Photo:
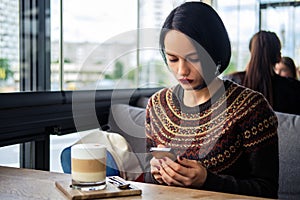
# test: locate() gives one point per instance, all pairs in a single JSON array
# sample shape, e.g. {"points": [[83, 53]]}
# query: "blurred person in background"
{"points": [[282, 93], [286, 68]]}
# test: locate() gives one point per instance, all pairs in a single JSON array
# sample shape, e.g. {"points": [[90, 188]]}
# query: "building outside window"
{"points": [[9, 45]]}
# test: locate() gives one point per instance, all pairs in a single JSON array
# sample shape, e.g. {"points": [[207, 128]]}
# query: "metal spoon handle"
{"points": [[119, 183]]}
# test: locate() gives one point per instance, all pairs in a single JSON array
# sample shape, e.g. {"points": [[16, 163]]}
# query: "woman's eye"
{"points": [[192, 60], [173, 59]]}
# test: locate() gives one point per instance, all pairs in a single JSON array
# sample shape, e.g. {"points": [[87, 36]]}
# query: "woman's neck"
{"points": [[192, 98]]}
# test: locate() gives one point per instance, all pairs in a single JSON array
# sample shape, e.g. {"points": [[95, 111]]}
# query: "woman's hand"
{"points": [[155, 170], [155, 167], [187, 173]]}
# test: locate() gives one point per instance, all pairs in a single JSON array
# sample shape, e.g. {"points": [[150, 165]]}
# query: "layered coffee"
{"points": [[88, 164]]}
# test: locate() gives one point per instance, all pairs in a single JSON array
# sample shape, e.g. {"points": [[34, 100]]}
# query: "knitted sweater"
{"points": [[234, 136]]}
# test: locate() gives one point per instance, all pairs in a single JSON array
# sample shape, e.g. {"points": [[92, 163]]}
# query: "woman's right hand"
{"points": [[155, 168]]}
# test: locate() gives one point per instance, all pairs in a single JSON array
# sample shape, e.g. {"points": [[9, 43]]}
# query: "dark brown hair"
{"points": [[201, 23], [265, 52], [289, 62]]}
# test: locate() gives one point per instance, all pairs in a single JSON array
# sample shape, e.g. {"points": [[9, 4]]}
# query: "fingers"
{"points": [[168, 176], [184, 173], [187, 163], [196, 172], [170, 172], [154, 162], [161, 146], [155, 170]]}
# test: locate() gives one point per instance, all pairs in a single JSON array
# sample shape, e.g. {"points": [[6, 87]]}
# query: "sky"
{"points": [[93, 20]]}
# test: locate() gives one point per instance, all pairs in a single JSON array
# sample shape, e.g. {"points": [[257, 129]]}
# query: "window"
{"points": [[92, 51], [103, 44], [284, 25], [244, 18], [9, 155], [9, 66], [241, 23], [9, 45]]}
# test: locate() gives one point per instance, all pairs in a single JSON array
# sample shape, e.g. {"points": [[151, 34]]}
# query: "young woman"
{"points": [[224, 135]]}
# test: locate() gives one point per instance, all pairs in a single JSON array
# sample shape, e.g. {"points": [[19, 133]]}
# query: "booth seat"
{"points": [[289, 155], [128, 121]]}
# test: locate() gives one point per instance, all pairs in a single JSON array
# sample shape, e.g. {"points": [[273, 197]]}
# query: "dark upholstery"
{"points": [[289, 156]]}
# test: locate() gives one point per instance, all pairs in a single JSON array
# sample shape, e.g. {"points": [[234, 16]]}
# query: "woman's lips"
{"points": [[185, 81]]}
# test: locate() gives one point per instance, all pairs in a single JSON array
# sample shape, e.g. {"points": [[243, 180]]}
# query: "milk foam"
{"points": [[88, 151]]}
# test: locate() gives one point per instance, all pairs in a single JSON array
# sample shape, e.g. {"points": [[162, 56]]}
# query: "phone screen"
{"points": [[163, 152]]}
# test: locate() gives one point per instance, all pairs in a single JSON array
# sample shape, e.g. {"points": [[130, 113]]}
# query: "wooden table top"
{"points": [[17, 183]]}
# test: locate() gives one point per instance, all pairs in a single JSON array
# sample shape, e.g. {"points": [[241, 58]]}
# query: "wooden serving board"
{"points": [[110, 191]]}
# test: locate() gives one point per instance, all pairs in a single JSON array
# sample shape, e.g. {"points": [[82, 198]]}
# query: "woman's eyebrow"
{"points": [[187, 55], [170, 54]]}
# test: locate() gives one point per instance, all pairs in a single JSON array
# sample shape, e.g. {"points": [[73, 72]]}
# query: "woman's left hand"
{"points": [[187, 173]]}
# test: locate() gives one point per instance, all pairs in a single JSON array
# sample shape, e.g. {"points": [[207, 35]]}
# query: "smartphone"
{"points": [[159, 152]]}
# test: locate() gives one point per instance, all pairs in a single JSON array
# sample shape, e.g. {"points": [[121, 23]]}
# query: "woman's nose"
{"points": [[183, 68]]}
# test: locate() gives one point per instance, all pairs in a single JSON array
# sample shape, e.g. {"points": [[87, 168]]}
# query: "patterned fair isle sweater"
{"points": [[234, 135]]}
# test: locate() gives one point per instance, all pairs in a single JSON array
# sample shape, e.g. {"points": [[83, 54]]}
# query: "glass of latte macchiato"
{"points": [[88, 166]]}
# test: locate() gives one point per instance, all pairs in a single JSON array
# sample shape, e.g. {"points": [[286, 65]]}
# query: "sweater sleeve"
{"points": [[148, 178], [260, 144], [264, 182]]}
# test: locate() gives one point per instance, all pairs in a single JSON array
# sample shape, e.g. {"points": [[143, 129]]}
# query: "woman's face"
{"points": [[183, 60], [282, 70]]}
